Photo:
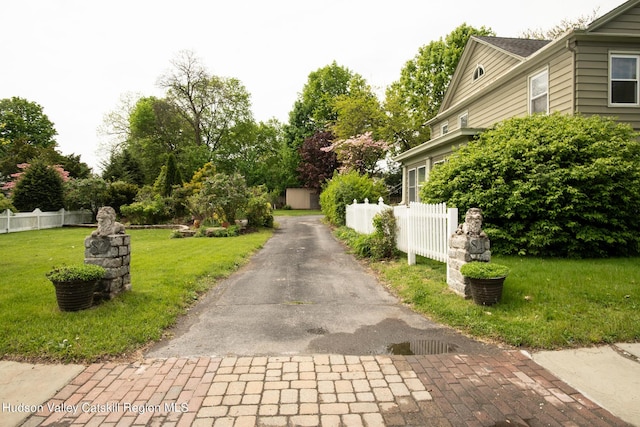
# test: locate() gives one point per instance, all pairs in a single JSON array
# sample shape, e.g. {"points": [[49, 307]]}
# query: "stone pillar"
{"points": [[110, 248], [468, 243]]}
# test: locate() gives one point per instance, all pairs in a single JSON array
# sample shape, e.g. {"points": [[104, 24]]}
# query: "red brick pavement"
{"points": [[504, 389]]}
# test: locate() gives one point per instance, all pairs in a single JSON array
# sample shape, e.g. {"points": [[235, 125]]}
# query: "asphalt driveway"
{"points": [[303, 294]]}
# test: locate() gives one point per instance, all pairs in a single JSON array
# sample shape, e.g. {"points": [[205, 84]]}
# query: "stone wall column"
{"points": [[113, 253], [469, 243]]}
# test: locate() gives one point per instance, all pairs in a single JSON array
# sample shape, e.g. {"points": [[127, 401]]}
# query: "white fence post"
{"points": [[7, 213], [411, 236], [452, 226], [422, 229], [38, 220], [37, 213]]}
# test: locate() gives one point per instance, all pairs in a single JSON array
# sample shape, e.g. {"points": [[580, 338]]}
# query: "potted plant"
{"points": [[486, 281], [75, 284]]}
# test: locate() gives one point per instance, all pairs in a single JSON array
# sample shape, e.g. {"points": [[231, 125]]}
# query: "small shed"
{"points": [[303, 198]]}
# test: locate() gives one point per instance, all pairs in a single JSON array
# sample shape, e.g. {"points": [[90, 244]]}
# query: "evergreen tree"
{"points": [[40, 186]]}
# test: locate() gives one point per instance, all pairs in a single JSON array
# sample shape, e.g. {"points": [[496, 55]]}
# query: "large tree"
{"points": [[157, 129], [259, 153], [416, 96], [316, 165], [314, 110], [25, 131], [357, 112], [212, 105]]}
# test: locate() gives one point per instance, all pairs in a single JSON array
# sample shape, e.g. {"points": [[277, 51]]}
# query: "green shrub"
{"points": [[359, 243], [258, 210], [5, 204], [342, 189], [551, 185], [87, 193], [120, 193], [484, 270], [383, 239], [220, 197], [156, 210], [231, 231], [71, 273]]}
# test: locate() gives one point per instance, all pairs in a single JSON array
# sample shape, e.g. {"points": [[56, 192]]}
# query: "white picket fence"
{"points": [[37, 220], [422, 229]]}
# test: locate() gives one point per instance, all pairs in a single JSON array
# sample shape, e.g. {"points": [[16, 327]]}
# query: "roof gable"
{"points": [[624, 19], [519, 47], [497, 55]]}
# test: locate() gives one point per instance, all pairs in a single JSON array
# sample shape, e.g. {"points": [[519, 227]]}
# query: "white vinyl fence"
{"points": [[12, 222], [422, 229]]}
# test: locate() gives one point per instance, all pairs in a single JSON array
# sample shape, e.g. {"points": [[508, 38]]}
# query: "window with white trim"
{"points": [[412, 185], [478, 72], [444, 128], [463, 120], [421, 177], [539, 93], [624, 73]]}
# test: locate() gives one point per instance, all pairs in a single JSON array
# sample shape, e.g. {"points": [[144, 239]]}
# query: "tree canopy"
{"points": [[314, 110], [25, 133], [415, 98], [212, 105]]}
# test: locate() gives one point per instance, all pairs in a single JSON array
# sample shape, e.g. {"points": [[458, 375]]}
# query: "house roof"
{"points": [[623, 8], [524, 50], [520, 47]]}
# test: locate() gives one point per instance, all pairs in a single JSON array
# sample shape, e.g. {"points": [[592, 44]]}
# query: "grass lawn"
{"points": [[546, 303], [167, 275]]}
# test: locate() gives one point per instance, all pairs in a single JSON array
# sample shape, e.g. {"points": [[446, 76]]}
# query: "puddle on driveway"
{"points": [[421, 347]]}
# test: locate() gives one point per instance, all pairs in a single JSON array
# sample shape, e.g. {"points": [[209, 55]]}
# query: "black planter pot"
{"points": [[74, 295], [486, 291]]}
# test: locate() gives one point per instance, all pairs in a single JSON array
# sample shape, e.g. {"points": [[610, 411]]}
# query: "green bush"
{"points": [[484, 270], [258, 210], [72, 273], [220, 197], [360, 243], [87, 193], [383, 239], [155, 210], [231, 231], [5, 204], [120, 193], [551, 185], [342, 189]]}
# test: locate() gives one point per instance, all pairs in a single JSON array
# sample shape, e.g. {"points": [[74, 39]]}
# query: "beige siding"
{"points": [[513, 96], [628, 23], [561, 83], [495, 64], [592, 81]]}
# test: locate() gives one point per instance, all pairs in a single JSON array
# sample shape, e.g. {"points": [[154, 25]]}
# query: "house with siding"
{"points": [[591, 71]]}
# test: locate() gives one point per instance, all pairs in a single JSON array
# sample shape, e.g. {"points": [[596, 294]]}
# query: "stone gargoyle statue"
{"points": [[107, 223]]}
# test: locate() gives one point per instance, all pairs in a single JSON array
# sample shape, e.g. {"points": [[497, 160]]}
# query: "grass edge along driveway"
{"points": [[546, 303], [167, 275]]}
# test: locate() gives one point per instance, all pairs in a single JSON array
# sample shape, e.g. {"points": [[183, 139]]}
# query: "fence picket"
{"points": [[37, 220], [422, 229]]}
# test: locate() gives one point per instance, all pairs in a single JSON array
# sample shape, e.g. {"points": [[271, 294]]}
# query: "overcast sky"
{"points": [[76, 58]]}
